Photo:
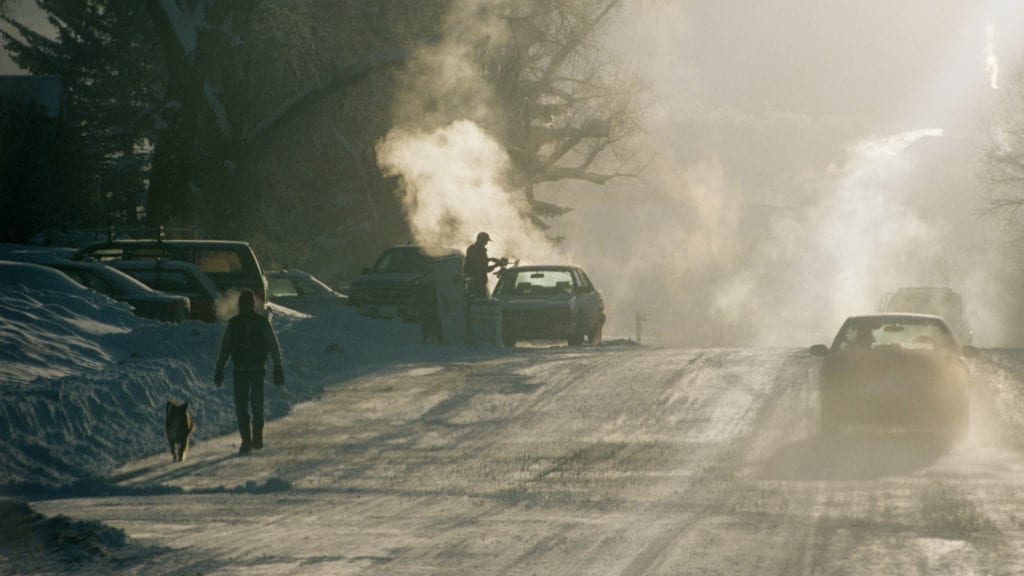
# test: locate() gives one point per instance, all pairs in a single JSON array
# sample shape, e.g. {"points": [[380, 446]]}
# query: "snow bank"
{"points": [[83, 382], [38, 540]]}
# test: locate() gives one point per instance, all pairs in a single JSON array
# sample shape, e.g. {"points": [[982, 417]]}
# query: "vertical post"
{"points": [[640, 318]]}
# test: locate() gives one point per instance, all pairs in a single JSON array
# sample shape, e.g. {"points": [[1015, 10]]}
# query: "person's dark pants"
{"points": [[477, 287], [249, 392]]}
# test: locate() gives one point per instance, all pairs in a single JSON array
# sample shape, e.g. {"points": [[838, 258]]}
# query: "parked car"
{"points": [[895, 372], [386, 289], [936, 300], [303, 292], [229, 264], [37, 276], [549, 303], [176, 277], [145, 301]]}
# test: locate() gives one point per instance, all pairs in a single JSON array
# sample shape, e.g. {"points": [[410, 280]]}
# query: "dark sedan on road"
{"points": [[549, 303], [895, 372]]}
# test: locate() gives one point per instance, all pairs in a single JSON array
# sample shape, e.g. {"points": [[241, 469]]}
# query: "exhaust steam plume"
{"points": [[452, 184]]}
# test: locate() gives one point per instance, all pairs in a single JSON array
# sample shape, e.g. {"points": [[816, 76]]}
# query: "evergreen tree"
{"points": [[110, 70]]}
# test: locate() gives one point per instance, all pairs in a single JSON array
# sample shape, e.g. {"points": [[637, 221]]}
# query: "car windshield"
{"points": [[402, 261], [536, 282], [880, 333]]}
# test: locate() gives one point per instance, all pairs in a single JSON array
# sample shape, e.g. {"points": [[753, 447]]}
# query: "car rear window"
{"points": [[218, 262], [912, 335], [402, 261], [539, 282]]}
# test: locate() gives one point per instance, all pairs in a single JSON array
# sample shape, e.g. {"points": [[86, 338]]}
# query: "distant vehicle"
{"points": [[302, 292], [145, 301], [549, 303], [895, 372], [386, 290], [175, 277], [935, 300], [229, 264], [37, 276]]}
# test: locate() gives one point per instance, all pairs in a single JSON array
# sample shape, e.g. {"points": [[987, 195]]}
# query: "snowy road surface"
{"points": [[616, 460]]}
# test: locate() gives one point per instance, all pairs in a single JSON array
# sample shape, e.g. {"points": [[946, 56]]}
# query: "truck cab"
{"points": [[936, 300]]}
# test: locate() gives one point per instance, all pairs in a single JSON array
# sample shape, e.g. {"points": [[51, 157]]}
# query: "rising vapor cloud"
{"points": [[453, 173], [835, 257], [991, 59], [453, 187]]}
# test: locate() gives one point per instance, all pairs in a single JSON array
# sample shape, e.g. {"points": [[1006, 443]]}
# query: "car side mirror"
{"points": [[970, 351], [818, 350]]}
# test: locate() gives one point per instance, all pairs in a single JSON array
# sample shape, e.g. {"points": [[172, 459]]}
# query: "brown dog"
{"points": [[179, 426]]}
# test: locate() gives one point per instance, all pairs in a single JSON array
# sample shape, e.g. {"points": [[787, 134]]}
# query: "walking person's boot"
{"points": [[246, 446], [257, 438]]}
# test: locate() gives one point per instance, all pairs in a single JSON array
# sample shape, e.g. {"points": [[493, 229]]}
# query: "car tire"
{"points": [[508, 341], [595, 335]]}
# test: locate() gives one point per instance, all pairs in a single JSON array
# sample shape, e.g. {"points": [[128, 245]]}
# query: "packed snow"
{"points": [[86, 381]]}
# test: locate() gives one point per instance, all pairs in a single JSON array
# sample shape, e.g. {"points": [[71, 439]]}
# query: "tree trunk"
{"points": [[170, 179], [170, 184]]}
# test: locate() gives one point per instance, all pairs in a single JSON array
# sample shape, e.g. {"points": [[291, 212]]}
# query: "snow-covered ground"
{"points": [[387, 456], [85, 381]]}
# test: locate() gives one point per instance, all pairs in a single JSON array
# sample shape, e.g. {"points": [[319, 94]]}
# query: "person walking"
{"points": [[247, 341], [478, 265]]}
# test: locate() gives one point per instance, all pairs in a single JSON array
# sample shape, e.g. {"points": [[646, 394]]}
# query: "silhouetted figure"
{"points": [[864, 339], [478, 265], [247, 341]]}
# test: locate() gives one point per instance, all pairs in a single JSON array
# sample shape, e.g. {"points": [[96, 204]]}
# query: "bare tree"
{"points": [[538, 75], [1002, 161], [570, 114]]}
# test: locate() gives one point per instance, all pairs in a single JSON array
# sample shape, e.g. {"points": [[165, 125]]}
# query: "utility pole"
{"points": [[640, 319]]}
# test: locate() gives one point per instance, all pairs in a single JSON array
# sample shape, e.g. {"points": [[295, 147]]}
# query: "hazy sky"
{"points": [[29, 14], [812, 154], [882, 60]]}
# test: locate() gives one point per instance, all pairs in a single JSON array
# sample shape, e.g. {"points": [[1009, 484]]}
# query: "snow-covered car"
{"points": [[936, 300], [231, 265], [387, 289], [145, 301], [175, 277], [895, 372], [549, 303], [302, 292], [37, 276]]}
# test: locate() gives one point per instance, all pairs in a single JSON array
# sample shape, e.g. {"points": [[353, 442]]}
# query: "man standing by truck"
{"points": [[478, 265]]}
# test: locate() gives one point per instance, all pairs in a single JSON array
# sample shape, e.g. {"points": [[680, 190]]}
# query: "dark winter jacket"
{"points": [[248, 340], [477, 264]]}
